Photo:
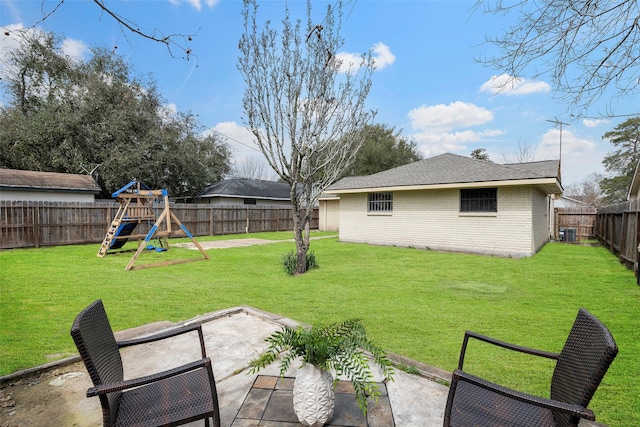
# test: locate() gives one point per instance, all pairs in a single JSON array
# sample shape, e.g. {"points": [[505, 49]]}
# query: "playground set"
{"points": [[140, 204]]}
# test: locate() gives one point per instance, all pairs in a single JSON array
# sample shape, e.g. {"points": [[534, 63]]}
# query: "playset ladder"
{"points": [[111, 232]]}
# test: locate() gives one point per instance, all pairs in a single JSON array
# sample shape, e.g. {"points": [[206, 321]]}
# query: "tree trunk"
{"points": [[302, 241]]}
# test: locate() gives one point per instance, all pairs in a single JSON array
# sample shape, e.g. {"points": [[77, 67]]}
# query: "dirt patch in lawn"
{"points": [[43, 400], [225, 244]]}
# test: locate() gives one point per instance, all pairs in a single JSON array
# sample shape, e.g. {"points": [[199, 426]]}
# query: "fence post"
{"points": [[211, 227], [36, 225]]}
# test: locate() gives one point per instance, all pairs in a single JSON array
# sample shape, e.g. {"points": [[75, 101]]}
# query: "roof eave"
{"points": [[240, 196], [49, 189], [550, 185]]}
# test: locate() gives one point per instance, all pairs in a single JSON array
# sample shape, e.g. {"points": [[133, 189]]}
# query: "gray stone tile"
{"points": [[280, 407], [379, 414], [255, 404]]}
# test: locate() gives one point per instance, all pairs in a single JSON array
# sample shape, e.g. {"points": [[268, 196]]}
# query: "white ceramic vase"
{"points": [[313, 396]]}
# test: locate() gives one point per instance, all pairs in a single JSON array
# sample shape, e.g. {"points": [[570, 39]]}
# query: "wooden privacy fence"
{"points": [[583, 219], [617, 228], [35, 224]]}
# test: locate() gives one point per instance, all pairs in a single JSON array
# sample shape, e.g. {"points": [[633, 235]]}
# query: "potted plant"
{"points": [[341, 348]]}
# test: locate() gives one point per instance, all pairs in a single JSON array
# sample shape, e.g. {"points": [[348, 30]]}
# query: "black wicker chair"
{"points": [[170, 398], [580, 366]]}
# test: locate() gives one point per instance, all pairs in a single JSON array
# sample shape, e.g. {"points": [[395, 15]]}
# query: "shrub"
{"points": [[290, 262]]}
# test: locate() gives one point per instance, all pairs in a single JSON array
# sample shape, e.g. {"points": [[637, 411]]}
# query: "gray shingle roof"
{"points": [[450, 169], [33, 180], [248, 188]]}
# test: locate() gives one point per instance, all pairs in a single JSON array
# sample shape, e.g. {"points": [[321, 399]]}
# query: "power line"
{"points": [[235, 140]]}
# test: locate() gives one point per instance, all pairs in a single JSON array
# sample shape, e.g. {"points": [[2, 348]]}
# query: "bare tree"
{"points": [[306, 115], [526, 152], [171, 41], [250, 168], [588, 190], [585, 46]]}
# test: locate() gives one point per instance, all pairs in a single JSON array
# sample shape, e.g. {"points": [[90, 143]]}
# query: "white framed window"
{"points": [[380, 202]]}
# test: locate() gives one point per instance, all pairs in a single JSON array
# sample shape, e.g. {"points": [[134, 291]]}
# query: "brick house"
{"points": [[451, 203]]}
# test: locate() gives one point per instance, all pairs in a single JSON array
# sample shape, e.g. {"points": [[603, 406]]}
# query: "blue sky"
{"points": [[428, 83]]}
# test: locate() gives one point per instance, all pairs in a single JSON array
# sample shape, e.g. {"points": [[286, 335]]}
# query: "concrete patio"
{"points": [[233, 337], [54, 394]]}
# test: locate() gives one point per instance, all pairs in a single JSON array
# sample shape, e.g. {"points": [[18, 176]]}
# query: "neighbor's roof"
{"points": [[13, 179], [455, 171], [248, 188]]}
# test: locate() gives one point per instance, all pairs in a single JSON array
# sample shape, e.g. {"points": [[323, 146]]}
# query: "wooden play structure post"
{"points": [[136, 206]]}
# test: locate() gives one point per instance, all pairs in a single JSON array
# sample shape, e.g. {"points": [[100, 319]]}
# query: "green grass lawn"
{"points": [[413, 302]]}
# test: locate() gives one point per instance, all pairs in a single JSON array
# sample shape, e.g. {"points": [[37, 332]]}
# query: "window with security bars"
{"points": [[380, 202], [479, 200]]}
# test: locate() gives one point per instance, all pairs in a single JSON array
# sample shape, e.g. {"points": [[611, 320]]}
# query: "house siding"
{"points": [[329, 213], [431, 219], [46, 196], [239, 201], [542, 220]]}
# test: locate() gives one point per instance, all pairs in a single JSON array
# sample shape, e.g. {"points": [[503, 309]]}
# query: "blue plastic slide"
{"points": [[124, 229]]}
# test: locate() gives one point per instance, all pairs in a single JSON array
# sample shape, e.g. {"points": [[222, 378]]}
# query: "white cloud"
{"points": [[447, 117], [445, 128], [245, 150], [168, 112], [436, 143], [196, 4], [580, 156], [571, 144], [508, 85], [349, 61], [382, 57], [591, 123], [13, 40], [240, 139], [11, 43], [73, 48]]}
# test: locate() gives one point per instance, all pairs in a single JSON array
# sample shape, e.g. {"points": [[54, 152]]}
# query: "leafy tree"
{"points": [[584, 46], [622, 162], [383, 149], [307, 117], [480, 154], [67, 116]]}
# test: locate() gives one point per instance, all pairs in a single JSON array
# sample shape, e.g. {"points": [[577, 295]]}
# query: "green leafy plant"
{"points": [[341, 347], [311, 261], [290, 262]]}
